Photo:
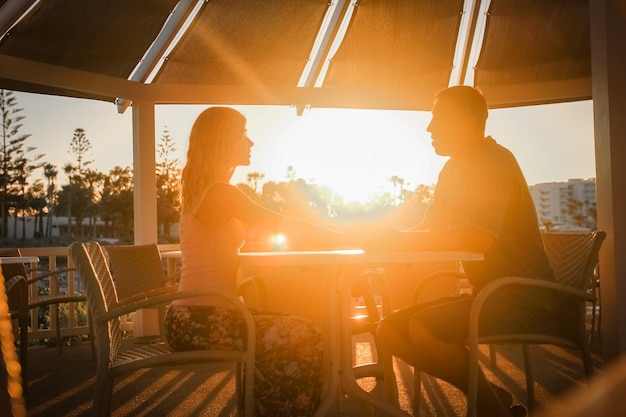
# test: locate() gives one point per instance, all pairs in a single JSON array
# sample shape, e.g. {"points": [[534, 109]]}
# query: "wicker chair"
{"points": [[33, 277], [574, 259], [113, 361], [138, 269], [138, 273]]}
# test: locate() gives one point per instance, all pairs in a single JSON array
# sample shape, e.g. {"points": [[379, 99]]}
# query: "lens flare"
{"points": [[278, 241]]}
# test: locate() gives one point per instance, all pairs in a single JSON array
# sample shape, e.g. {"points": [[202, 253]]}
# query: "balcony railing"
{"points": [[53, 258]]}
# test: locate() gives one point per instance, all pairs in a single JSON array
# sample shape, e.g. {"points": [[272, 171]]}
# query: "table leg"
{"points": [[332, 329], [349, 383]]}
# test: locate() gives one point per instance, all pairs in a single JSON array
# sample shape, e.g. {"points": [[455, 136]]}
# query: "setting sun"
{"points": [[354, 152]]}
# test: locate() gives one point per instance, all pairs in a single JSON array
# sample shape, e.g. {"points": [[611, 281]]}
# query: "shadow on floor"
{"points": [[62, 385]]}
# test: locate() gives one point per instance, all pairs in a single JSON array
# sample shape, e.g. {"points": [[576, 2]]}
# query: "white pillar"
{"points": [[608, 56], [144, 166], [145, 322]]}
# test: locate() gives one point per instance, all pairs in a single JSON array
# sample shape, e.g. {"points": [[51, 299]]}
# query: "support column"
{"points": [[144, 168], [608, 43], [145, 322]]}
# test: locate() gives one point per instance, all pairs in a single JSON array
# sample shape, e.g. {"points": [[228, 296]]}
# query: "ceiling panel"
{"points": [[536, 50], [101, 36]]}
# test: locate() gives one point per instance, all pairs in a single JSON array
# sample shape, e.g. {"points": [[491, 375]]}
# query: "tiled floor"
{"points": [[62, 385]]}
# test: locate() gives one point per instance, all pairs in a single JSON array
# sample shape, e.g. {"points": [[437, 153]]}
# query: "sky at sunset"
{"points": [[353, 151]]}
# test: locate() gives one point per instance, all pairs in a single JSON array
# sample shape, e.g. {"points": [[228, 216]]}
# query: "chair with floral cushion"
{"points": [[114, 360]]}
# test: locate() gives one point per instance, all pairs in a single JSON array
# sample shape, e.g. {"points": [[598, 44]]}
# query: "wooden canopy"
{"points": [[392, 54]]}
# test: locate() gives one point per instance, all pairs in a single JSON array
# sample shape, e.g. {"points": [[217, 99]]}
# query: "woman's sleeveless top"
{"points": [[210, 257]]}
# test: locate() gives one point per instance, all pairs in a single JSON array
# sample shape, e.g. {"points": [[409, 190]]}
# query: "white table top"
{"points": [[345, 257], [6, 260], [353, 257]]}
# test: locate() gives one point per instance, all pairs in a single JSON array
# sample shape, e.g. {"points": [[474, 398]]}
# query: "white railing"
{"points": [[53, 258]]}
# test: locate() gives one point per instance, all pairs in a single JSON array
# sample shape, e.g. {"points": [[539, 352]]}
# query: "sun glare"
{"points": [[354, 152], [278, 241]]}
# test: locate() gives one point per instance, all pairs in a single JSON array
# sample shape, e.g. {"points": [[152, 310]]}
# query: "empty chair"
{"points": [[138, 273], [113, 361], [33, 277], [138, 270]]}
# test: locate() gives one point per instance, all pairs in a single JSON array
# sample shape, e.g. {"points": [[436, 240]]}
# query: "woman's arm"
{"points": [[224, 201]]}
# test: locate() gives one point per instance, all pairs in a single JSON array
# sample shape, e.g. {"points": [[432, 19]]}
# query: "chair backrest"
{"points": [[574, 257], [94, 273], [136, 268], [11, 270], [17, 295]]}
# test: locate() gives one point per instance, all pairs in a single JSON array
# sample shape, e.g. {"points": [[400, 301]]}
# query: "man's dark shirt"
{"points": [[488, 191]]}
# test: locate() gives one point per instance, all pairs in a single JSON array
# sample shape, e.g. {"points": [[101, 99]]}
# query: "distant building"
{"points": [[566, 205], [30, 227]]}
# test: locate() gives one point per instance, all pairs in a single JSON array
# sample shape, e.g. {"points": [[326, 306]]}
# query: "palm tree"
{"points": [[50, 172], [12, 155], [94, 181], [36, 205], [291, 173], [168, 183], [395, 180], [117, 202], [69, 170], [79, 146], [253, 179]]}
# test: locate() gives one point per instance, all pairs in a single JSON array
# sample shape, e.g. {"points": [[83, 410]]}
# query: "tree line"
{"points": [[105, 199]]}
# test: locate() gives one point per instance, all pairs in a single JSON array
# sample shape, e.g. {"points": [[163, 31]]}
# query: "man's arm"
{"points": [[465, 238], [386, 238]]}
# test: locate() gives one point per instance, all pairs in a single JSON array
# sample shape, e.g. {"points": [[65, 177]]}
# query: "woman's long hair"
{"points": [[210, 152]]}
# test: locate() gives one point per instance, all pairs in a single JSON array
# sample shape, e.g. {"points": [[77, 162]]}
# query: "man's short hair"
{"points": [[466, 99]]}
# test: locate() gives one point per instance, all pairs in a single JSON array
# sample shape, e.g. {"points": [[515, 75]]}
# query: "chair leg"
{"points": [[104, 394], [530, 378], [417, 391], [57, 329], [389, 376], [493, 357], [587, 363], [91, 336], [472, 379], [23, 325], [239, 389], [599, 326], [592, 330]]}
